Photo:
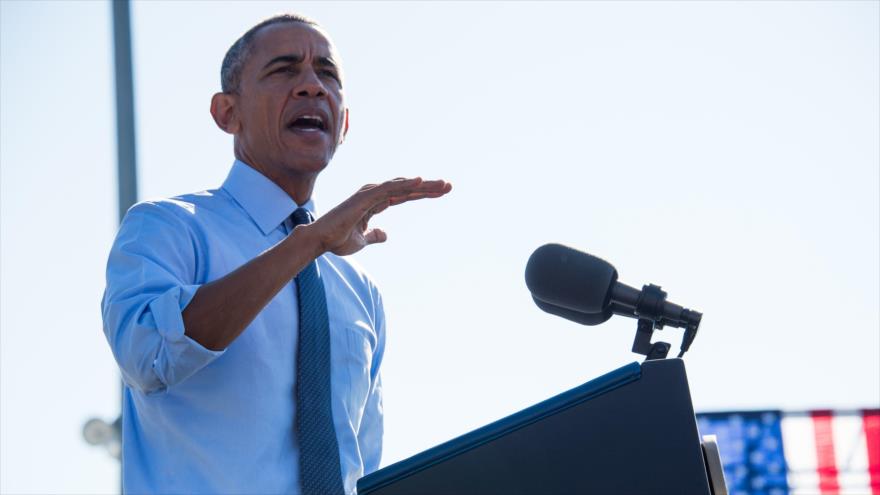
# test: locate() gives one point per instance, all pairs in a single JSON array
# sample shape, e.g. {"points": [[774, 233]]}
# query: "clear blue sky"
{"points": [[729, 152]]}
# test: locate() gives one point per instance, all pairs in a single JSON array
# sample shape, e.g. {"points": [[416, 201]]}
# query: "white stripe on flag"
{"points": [[851, 453], [799, 443]]}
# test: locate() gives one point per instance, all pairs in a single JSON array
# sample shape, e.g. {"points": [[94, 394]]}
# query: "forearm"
{"points": [[221, 310]]}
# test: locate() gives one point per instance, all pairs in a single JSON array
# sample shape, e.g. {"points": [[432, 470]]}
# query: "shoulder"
{"points": [[192, 213], [178, 223], [185, 208]]}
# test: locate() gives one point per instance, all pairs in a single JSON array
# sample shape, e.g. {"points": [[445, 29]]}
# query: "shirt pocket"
{"points": [[359, 361]]}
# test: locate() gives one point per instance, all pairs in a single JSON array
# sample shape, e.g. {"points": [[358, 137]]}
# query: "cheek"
{"points": [[339, 110], [263, 113]]}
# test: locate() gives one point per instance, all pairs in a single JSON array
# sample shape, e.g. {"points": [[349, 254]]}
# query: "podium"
{"points": [[631, 431]]}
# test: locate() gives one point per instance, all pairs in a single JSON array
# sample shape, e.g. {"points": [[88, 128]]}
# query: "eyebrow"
{"points": [[296, 59], [326, 62], [288, 59]]}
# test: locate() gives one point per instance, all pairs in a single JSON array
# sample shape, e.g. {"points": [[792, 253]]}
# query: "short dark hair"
{"points": [[236, 56]]}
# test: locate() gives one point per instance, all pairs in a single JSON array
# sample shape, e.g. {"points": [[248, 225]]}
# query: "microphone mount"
{"points": [[649, 311]]}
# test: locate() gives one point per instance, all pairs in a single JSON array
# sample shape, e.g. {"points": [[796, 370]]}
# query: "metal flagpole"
{"points": [[125, 139], [97, 431]]}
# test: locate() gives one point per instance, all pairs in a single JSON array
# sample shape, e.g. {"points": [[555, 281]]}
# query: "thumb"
{"points": [[374, 236]]}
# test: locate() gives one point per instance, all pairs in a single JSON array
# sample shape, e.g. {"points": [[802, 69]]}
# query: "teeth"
{"points": [[313, 122]]}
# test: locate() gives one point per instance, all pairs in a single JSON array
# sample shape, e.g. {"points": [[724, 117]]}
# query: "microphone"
{"points": [[575, 316], [584, 288], [561, 276]]}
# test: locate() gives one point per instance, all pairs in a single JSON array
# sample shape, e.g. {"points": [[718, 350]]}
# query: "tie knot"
{"points": [[301, 216]]}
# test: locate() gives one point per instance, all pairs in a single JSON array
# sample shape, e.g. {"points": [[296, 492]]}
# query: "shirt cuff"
{"points": [[179, 356]]}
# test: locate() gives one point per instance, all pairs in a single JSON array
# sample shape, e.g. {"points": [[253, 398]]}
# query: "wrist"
{"points": [[311, 241]]}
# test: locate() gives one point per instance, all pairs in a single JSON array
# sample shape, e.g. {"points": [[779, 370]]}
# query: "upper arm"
{"points": [[150, 279]]}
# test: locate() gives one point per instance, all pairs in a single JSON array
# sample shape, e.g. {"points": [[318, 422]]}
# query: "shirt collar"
{"points": [[266, 203]]}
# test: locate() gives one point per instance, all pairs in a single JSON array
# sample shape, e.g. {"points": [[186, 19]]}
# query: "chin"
{"points": [[307, 164]]}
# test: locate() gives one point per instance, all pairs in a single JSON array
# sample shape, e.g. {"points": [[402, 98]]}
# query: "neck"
{"points": [[297, 185], [298, 188]]}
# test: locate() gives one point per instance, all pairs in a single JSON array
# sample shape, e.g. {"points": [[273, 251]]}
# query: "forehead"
{"points": [[291, 38]]}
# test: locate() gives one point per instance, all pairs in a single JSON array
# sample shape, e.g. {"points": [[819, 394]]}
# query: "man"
{"points": [[249, 347]]}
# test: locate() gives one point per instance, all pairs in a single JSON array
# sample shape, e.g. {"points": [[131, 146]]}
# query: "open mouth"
{"points": [[308, 123]]}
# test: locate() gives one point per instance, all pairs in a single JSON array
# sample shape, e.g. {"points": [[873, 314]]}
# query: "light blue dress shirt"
{"points": [[202, 421]]}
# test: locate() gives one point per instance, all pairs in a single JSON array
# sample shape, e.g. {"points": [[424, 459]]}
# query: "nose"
{"points": [[309, 85]]}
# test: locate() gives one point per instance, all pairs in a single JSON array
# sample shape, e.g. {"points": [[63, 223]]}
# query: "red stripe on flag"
{"points": [[826, 464], [871, 422]]}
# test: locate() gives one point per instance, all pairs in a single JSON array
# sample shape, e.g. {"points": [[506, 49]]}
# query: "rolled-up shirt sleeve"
{"points": [[150, 280]]}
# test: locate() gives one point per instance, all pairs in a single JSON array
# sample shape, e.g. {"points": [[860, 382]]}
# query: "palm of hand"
{"points": [[354, 242], [345, 230], [347, 225]]}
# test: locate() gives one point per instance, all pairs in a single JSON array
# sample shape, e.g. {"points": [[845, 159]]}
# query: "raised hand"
{"points": [[345, 229]]}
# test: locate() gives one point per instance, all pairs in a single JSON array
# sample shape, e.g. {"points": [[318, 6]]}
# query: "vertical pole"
{"points": [[125, 140], [125, 137]]}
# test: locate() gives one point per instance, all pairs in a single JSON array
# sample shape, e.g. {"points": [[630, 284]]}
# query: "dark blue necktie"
{"points": [[320, 471]]}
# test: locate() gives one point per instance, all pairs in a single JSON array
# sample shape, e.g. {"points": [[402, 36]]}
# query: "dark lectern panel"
{"points": [[627, 434]]}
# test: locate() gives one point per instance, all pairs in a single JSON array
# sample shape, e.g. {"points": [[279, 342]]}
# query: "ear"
{"points": [[224, 112], [344, 126]]}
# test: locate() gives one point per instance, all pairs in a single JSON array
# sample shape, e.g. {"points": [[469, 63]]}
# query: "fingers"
{"points": [[396, 200], [407, 187], [433, 186], [380, 207], [375, 198], [398, 187]]}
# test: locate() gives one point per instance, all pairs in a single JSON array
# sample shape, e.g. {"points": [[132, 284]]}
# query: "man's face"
{"points": [[290, 104]]}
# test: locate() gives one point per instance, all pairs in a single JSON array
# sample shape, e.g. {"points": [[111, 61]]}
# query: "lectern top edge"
{"points": [[482, 435]]}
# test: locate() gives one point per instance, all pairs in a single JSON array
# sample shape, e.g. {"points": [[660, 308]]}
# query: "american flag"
{"points": [[804, 452]]}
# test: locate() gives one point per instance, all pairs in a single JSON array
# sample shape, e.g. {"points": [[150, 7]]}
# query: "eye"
{"points": [[333, 75], [284, 70]]}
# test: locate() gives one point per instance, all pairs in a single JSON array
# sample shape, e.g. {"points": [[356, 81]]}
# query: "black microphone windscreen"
{"points": [[568, 314], [570, 279]]}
